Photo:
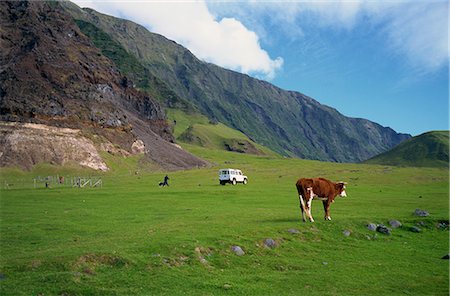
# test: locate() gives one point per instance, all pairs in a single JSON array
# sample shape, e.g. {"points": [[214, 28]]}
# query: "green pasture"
{"points": [[131, 237]]}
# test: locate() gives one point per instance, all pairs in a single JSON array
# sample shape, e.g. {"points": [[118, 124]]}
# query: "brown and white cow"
{"points": [[321, 189]]}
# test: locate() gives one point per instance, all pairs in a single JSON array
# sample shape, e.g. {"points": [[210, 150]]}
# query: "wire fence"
{"points": [[53, 182]]}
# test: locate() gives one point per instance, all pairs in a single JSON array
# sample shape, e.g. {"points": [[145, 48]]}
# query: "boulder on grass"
{"points": [[383, 229], [237, 250], [421, 213], [372, 226], [270, 243], [395, 223]]}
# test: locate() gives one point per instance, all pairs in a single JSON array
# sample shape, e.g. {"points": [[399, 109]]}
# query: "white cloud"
{"points": [[415, 31], [225, 42], [420, 32], [334, 13]]}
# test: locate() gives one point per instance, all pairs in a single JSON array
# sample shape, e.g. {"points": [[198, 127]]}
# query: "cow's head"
{"points": [[340, 186], [310, 193]]}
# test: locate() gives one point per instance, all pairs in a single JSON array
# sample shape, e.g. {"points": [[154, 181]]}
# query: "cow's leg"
{"points": [[308, 209], [302, 207], [326, 208]]}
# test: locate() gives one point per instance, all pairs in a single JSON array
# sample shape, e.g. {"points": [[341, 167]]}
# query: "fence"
{"points": [[54, 182], [83, 182]]}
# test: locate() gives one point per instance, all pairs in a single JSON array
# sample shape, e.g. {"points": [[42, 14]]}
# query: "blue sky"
{"points": [[384, 61]]}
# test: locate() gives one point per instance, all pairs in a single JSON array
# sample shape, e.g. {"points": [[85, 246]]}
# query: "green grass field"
{"points": [[131, 237]]}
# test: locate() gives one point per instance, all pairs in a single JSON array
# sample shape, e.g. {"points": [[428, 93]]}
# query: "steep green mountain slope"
{"points": [[196, 129], [289, 123], [426, 150]]}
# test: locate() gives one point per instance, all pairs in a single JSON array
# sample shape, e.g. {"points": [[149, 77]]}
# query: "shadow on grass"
{"points": [[282, 220]]}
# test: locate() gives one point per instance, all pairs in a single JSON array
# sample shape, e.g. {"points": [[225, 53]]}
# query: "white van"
{"points": [[232, 176]]}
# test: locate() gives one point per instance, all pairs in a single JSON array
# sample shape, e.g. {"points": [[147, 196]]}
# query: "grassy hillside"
{"points": [[196, 129], [426, 150], [131, 237]]}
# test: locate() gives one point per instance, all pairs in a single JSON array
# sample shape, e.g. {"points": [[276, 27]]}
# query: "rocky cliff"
{"points": [[52, 74]]}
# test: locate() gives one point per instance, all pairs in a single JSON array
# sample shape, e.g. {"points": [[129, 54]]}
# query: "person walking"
{"points": [[165, 182]]}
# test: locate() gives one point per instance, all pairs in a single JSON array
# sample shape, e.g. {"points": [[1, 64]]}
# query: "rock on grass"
{"points": [[237, 250], [395, 223], [270, 243], [443, 224], [372, 226], [294, 231], [383, 229], [421, 213], [415, 229]]}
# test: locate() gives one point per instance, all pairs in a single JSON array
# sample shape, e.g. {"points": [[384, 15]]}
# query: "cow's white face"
{"points": [[343, 193], [310, 193]]}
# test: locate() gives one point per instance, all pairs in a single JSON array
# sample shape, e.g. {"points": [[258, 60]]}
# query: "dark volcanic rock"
{"points": [[383, 229], [415, 229], [443, 224], [52, 74], [242, 146]]}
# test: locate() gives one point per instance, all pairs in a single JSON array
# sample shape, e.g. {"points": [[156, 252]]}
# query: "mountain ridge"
{"points": [[287, 122], [430, 149]]}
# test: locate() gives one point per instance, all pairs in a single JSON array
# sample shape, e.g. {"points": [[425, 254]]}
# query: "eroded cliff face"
{"points": [[52, 74], [26, 144]]}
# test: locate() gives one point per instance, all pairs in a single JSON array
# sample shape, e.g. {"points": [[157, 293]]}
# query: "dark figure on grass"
{"points": [[165, 182]]}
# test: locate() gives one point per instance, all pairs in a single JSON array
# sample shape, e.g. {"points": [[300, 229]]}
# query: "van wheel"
{"points": [[233, 182], [222, 183], [245, 181]]}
